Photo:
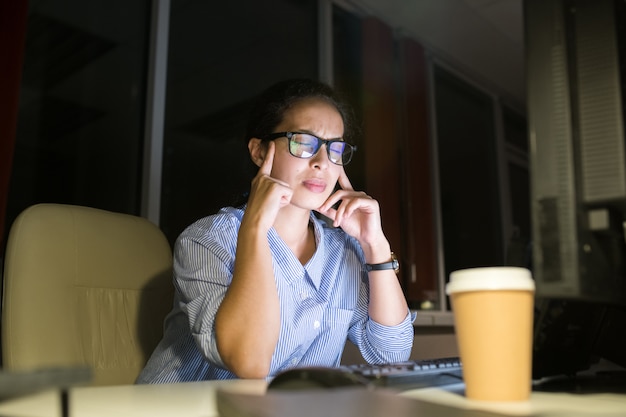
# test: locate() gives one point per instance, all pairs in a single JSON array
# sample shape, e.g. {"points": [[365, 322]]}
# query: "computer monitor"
{"points": [[576, 83]]}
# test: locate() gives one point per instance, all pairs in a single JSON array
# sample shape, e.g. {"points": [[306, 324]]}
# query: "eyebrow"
{"points": [[313, 134]]}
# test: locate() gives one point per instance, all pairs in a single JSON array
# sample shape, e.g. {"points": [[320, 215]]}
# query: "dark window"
{"points": [[221, 55], [468, 174], [80, 129]]}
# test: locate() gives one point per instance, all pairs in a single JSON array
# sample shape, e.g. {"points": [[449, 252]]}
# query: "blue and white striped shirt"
{"points": [[322, 303]]}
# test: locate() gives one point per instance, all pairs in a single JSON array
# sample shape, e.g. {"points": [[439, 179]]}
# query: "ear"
{"points": [[257, 150]]}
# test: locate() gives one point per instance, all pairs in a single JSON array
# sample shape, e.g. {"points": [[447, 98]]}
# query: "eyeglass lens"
{"points": [[303, 145]]}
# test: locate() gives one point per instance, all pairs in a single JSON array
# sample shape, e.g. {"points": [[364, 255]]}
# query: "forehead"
{"points": [[313, 113]]}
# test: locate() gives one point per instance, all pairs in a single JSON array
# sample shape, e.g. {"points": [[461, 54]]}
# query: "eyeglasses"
{"points": [[305, 145]]}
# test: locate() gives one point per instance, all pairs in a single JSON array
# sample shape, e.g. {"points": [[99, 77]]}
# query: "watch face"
{"points": [[395, 263]]}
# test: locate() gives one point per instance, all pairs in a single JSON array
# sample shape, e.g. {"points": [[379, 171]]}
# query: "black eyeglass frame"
{"points": [[320, 141]]}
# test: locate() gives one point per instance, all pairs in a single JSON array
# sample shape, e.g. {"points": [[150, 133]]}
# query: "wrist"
{"points": [[377, 252], [392, 264]]}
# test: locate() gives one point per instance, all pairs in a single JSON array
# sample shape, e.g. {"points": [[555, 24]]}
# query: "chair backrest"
{"points": [[84, 286]]}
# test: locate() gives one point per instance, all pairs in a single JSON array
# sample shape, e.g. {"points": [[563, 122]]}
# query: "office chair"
{"points": [[84, 287]]}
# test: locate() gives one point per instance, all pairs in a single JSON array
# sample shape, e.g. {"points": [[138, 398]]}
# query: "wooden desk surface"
{"points": [[166, 400], [198, 399], [542, 404]]}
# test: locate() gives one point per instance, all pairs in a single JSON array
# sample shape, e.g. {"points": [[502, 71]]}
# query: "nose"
{"points": [[320, 159]]}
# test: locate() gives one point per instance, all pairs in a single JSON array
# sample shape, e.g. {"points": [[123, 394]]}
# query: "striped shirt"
{"points": [[322, 303]]}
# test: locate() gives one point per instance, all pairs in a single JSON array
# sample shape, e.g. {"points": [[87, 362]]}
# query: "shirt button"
{"points": [[304, 295], [316, 324]]}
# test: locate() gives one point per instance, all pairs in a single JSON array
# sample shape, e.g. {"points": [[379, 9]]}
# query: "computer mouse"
{"points": [[316, 377]]}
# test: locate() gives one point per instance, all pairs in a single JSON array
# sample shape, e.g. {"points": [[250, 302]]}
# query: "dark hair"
{"points": [[273, 103]]}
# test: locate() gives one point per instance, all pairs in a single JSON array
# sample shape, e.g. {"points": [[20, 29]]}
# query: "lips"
{"points": [[315, 185]]}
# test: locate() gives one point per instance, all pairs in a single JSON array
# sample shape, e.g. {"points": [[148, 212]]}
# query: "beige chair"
{"points": [[84, 286]]}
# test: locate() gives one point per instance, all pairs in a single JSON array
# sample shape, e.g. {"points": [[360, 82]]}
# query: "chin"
{"points": [[308, 203]]}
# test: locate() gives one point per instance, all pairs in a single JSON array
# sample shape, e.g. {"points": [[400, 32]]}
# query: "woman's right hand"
{"points": [[267, 194]]}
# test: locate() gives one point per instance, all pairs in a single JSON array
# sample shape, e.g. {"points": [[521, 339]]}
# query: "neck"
{"points": [[292, 225]]}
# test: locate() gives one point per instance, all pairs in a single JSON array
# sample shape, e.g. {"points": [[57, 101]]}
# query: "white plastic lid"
{"points": [[490, 278]]}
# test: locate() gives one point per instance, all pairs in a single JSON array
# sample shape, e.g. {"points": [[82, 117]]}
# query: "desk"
{"points": [[542, 404], [189, 399], [198, 399]]}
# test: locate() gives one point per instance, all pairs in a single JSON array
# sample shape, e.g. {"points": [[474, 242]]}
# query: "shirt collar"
{"points": [[315, 266], [290, 266]]}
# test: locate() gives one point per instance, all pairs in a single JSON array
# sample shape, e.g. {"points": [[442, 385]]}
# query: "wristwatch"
{"points": [[393, 264]]}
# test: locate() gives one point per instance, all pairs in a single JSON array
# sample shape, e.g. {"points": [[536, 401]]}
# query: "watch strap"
{"points": [[392, 264]]}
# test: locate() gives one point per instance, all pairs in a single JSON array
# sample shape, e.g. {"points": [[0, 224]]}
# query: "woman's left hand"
{"points": [[358, 214]]}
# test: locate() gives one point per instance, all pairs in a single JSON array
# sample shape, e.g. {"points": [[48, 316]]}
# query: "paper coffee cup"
{"points": [[493, 319]]}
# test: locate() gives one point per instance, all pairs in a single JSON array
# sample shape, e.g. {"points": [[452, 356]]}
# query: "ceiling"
{"points": [[483, 38]]}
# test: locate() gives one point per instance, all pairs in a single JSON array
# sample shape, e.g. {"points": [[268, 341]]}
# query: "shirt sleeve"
{"points": [[391, 343], [376, 342], [203, 270]]}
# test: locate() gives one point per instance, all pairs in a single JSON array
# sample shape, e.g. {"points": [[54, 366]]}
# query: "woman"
{"points": [[270, 285]]}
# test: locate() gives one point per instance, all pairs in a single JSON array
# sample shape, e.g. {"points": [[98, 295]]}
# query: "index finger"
{"points": [[268, 162], [344, 182]]}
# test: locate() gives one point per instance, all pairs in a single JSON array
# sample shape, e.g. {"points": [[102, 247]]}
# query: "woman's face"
{"points": [[313, 179]]}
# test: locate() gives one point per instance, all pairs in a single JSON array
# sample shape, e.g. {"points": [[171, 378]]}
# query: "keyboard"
{"points": [[411, 374]]}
